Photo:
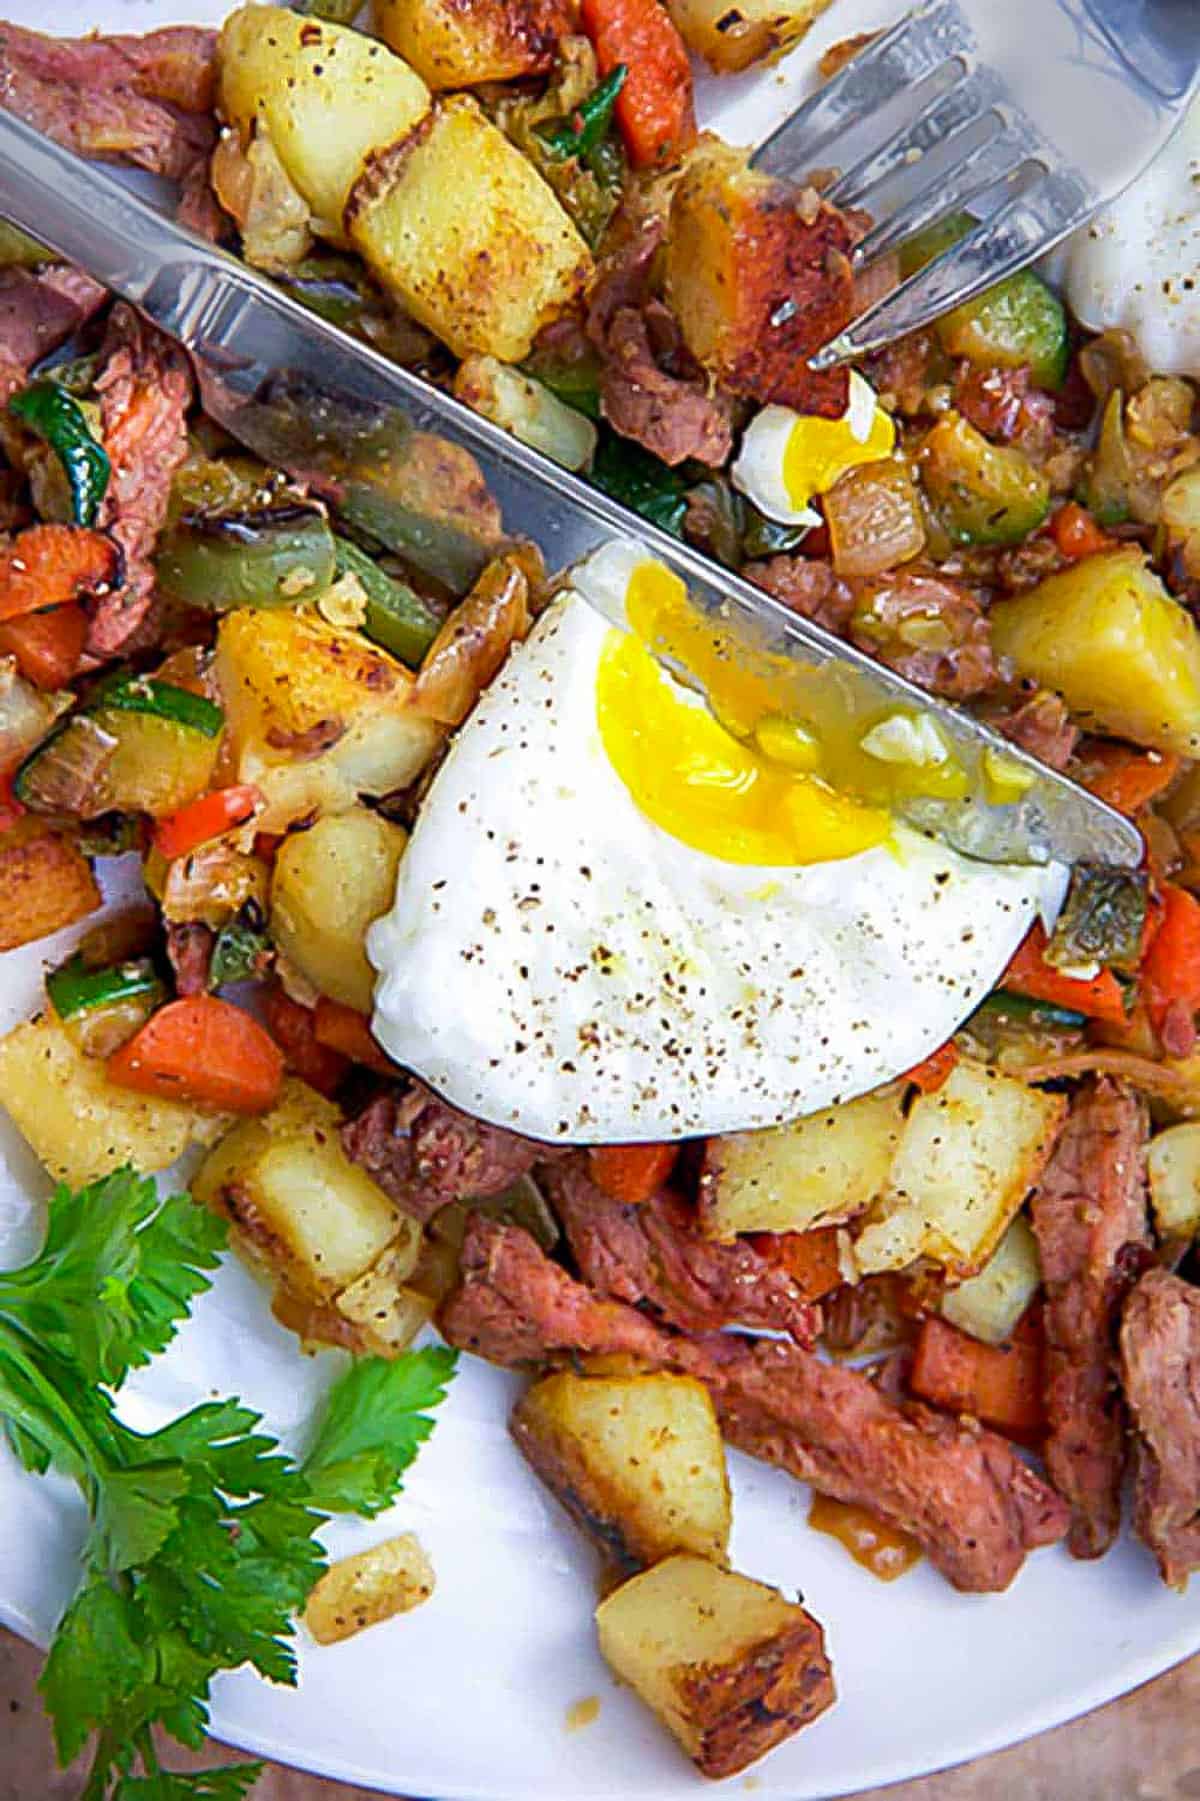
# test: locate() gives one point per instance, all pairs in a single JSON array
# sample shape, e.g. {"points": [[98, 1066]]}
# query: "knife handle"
{"points": [[89, 218]]}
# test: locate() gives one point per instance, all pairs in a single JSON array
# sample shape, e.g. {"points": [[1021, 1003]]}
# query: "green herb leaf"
{"points": [[227, 1784], [56, 416], [117, 1272], [584, 129], [376, 1420], [637, 479], [242, 948]]}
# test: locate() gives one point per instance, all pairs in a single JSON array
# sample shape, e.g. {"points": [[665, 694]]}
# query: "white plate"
{"points": [[469, 1696]]}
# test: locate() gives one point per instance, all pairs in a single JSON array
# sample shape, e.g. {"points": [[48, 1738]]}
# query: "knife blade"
{"points": [[309, 399]]}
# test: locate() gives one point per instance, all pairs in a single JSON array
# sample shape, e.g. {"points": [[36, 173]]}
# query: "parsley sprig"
{"points": [[201, 1544]]}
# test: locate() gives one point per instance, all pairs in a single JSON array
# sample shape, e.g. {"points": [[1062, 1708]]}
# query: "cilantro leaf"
{"points": [[375, 1422], [117, 1272], [227, 1784]]}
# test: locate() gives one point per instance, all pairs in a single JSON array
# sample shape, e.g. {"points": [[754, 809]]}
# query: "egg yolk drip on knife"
{"points": [[621, 918]]}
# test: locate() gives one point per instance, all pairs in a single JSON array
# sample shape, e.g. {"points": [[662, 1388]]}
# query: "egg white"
{"points": [[1136, 266], [556, 963], [758, 469]]}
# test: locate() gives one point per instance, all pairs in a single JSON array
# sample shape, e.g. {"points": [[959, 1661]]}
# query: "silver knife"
{"points": [[307, 398]]}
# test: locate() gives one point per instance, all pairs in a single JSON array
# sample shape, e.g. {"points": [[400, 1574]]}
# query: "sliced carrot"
{"points": [[655, 110], [631, 1172], [203, 1050], [47, 645], [294, 1029], [1077, 534], [1029, 973], [49, 565], [998, 1384], [193, 825], [934, 1071], [1127, 778], [810, 1258], [1170, 975], [343, 1029]]}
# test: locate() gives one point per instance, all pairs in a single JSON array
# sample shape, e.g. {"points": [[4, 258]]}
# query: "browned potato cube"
{"points": [[637, 1462], [728, 1665], [758, 279], [45, 883], [732, 34], [455, 46]]}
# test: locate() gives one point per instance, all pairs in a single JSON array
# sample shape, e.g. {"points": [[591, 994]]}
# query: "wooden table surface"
{"points": [[1144, 1748]]}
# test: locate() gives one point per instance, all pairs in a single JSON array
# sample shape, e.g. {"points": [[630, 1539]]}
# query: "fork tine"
{"points": [[1043, 210], [969, 97], [890, 66], [996, 159]]}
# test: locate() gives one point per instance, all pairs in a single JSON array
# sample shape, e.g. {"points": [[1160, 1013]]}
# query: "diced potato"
{"points": [[78, 1123], [464, 231], [736, 243], [968, 1156], [316, 716], [817, 1171], [457, 46], [636, 1461], [728, 1665], [732, 36], [298, 1207], [1123, 654], [989, 1305], [1173, 1162], [387, 1313], [330, 883], [360, 1591], [45, 883], [329, 96], [527, 409]]}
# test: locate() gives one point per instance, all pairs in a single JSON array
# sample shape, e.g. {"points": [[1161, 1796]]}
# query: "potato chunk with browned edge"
{"points": [[728, 1665], [1108, 637], [464, 231], [637, 1461], [732, 34], [360, 1591], [329, 884], [45, 883], [453, 45], [758, 280]]}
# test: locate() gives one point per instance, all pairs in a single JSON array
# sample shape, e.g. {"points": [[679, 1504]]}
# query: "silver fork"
{"points": [[1028, 114]]}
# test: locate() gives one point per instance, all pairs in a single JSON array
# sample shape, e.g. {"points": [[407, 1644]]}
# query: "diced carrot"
{"points": [[193, 825], [294, 1029], [345, 1030], [654, 110], [1127, 778], [998, 1384], [48, 645], [1029, 973], [631, 1172], [810, 1258], [934, 1071], [203, 1050], [1077, 534], [1170, 975], [49, 565]]}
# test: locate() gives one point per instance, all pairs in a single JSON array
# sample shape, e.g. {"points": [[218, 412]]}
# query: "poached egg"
{"points": [[619, 918]]}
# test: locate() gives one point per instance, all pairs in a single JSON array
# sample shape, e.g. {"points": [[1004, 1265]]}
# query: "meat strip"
{"points": [[653, 1253], [189, 952], [144, 101], [38, 312], [1042, 726], [1160, 1374], [145, 390], [962, 1492], [808, 586], [928, 628], [1004, 405], [425, 1153], [651, 390], [1089, 1215]]}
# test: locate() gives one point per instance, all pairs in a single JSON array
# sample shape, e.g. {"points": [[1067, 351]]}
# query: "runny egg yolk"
{"points": [[820, 451], [748, 798]]}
